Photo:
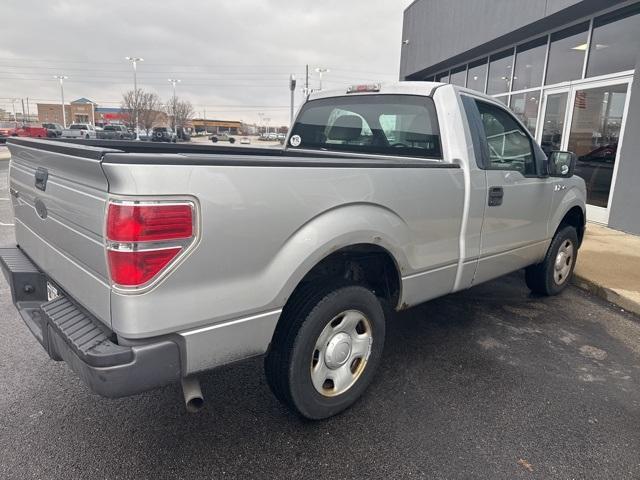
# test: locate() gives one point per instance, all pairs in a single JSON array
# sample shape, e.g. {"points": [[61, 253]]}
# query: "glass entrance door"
{"points": [[594, 134], [587, 118]]}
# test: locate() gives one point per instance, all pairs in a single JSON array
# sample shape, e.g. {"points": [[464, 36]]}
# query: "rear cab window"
{"points": [[382, 124]]}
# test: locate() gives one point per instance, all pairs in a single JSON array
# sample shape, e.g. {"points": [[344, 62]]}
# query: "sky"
{"points": [[233, 57]]}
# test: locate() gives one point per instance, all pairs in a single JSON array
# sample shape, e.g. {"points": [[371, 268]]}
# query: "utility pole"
{"points": [[134, 61], [306, 81], [22, 100], [13, 107], [28, 111], [61, 79], [322, 70], [174, 82], [292, 88]]}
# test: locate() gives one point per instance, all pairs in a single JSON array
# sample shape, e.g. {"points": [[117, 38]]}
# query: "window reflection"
{"points": [[615, 42], [529, 64], [553, 123], [477, 75], [595, 130], [566, 54], [442, 77], [458, 76], [500, 66], [525, 107]]}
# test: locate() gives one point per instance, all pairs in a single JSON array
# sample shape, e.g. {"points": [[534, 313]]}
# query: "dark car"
{"points": [[54, 130], [603, 153], [164, 134], [183, 134], [116, 132]]}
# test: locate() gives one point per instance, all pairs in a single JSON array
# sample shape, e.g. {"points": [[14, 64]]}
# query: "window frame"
{"points": [[485, 162]]}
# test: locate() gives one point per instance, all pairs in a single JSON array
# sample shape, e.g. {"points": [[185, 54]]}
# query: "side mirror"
{"points": [[562, 164]]}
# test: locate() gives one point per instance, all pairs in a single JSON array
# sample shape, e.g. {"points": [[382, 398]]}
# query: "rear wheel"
{"points": [[554, 273], [326, 349]]}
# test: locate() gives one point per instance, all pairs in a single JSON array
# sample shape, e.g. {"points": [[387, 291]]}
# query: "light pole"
{"points": [[174, 82], [292, 88], [322, 70], [61, 79], [13, 106], [134, 61]]}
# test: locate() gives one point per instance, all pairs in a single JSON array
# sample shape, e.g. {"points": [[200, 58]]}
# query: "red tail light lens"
{"points": [[132, 268], [143, 239], [146, 223]]}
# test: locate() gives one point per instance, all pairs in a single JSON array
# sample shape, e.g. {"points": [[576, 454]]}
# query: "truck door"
{"points": [[518, 201]]}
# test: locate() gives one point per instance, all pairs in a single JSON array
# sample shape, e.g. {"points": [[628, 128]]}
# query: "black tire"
{"points": [[86, 137], [232, 140], [288, 363], [214, 139], [540, 278]]}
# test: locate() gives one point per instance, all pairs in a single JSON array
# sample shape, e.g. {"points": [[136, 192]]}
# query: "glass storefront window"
{"points": [[458, 76], [615, 42], [477, 75], [566, 54], [529, 64], [553, 122], [500, 66], [595, 130], [503, 99], [442, 77], [525, 107]]}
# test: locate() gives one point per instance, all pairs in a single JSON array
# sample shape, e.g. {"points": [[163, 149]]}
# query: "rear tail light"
{"points": [[145, 238]]}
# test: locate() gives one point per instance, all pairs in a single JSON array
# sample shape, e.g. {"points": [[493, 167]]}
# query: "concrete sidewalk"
{"points": [[609, 266]]}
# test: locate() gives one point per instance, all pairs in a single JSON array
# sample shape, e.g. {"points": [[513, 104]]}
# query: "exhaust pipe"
{"points": [[193, 399]]}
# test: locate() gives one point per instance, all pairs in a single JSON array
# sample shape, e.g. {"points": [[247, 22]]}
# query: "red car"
{"points": [[9, 130]]}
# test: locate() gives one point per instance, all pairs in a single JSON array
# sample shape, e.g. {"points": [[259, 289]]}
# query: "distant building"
{"points": [[81, 110], [217, 126]]}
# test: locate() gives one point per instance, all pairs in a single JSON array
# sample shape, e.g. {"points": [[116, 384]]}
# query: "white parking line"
{"points": [[6, 224]]}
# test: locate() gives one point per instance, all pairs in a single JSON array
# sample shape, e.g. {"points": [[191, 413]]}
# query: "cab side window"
{"points": [[509, 146]]}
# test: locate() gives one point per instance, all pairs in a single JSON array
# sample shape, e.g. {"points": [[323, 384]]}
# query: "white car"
{"points": [[245, 141], [80, 130]]}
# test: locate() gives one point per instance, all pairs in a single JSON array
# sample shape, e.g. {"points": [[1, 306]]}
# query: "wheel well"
{"points": [[364, 264], [575, 218]]}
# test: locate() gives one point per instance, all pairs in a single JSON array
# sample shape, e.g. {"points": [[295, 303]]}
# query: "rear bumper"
{"points": [[68, 332]]}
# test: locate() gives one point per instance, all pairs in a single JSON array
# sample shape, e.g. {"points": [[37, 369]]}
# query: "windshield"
{"points": [[404, 125]]}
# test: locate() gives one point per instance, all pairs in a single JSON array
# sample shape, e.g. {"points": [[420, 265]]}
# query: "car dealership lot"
{"points": [[489, 383]]}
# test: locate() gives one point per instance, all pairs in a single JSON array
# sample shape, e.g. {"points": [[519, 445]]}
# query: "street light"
{"points": [[13, 107], [292, 88], [134, 61], [322, 70], [174, 82], [61, 79]]}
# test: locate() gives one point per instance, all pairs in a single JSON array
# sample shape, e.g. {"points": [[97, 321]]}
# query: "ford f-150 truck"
{"points": [[142, 264]]}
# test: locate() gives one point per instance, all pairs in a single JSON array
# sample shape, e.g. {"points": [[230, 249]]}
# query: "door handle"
{"points": [[496, 194]]}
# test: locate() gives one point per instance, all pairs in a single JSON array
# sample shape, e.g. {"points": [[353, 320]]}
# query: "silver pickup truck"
{"points": [[142, 264]]}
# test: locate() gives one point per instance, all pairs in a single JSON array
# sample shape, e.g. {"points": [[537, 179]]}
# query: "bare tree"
{"points": [[179, 111], [148, 106]]}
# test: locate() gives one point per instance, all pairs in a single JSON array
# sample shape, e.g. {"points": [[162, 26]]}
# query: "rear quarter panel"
{"points": [[263, 228]]}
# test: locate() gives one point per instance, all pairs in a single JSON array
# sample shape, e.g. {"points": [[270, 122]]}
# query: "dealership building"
{"points": [[566, 68]]}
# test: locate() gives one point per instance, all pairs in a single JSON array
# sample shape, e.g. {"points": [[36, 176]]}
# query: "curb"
{"points": [[607, 294]]}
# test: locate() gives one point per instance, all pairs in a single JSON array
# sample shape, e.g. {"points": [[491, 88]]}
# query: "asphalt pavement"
{"points": [[490, 383]]}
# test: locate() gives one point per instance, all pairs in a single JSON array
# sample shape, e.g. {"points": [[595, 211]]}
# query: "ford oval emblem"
{"points": [[41, 209]]}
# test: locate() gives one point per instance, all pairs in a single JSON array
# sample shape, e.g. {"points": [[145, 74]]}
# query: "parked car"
{"points": [[116, 132], [80, 130], [245, 141], [54, 130], [222, 137], [164, 134], [11, 130], [6, 130], [183, 134], [156, 266]]}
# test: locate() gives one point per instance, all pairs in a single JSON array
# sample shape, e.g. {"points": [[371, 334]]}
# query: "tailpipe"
{"points": [[193, 399]]}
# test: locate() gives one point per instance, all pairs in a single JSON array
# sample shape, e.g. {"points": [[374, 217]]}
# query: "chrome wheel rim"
{"points": [[562, 265], [341, 353]]}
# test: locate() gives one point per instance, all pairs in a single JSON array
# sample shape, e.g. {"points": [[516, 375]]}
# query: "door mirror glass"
{"points": [[562, 164]]}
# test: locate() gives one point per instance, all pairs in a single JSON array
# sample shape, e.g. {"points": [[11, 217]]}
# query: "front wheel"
{"points": [[326, 349], [554, 273]]}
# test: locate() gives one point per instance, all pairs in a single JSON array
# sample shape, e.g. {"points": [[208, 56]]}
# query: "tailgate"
{"points": [[59, 194]]}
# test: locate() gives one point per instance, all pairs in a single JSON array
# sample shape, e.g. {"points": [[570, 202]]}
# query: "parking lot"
{"points": [[488, 383]]}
